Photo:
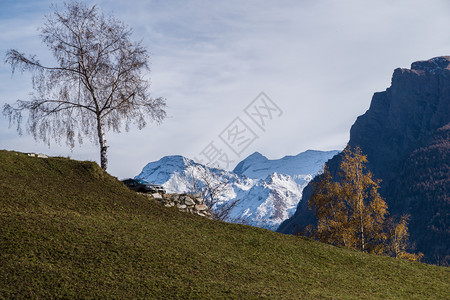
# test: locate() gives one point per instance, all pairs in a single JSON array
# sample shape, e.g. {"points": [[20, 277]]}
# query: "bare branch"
{"points": [[211, 185]]}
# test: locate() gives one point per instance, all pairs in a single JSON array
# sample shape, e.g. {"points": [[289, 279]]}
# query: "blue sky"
{"points": [[319, 61]]}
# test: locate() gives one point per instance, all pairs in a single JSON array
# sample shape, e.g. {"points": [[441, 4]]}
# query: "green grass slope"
{"points": [[68, 230]]}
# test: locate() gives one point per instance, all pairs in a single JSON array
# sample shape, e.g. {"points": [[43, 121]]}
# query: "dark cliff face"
{"points": [[405, 134]]}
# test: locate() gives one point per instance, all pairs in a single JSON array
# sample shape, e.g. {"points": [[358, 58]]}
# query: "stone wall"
{"points": [[184, 202]]}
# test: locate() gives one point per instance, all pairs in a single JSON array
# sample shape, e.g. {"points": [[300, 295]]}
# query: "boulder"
{"points": [[201, 207], [181, 206], [157, 196], [188, 201]]}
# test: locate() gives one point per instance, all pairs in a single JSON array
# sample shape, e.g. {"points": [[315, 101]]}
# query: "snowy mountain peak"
{"points": [[255, 158], [159, 172], [257, 166], [269, 190]]}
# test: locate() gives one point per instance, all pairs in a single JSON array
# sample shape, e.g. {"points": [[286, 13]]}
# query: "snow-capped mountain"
{"points": [[269, 190], [257, 166]]}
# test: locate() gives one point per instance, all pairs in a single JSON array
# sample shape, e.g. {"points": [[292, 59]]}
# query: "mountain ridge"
{"points": [[268, 190], [302, 163], [408, 116]]}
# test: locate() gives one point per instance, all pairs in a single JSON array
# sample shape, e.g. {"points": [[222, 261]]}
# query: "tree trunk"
{"points": [[363, 244], [102, 143], [361, 207]]}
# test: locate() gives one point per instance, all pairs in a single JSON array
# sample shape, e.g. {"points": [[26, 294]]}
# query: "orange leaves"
{"points": [[350, 213]]}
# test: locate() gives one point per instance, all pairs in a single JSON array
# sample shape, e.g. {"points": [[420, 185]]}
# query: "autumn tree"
{"points": [[330, 210], [398, 239], [97, 84], [350, 212]]}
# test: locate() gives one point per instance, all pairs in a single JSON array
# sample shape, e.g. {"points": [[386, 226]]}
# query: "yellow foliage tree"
{"points": [[351, 212], [398, 239]]}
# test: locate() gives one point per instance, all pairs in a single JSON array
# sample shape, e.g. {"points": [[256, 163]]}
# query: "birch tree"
{"points": [[350, 212], [330, 210], [98, 82], [367, 210], [398, 236]]}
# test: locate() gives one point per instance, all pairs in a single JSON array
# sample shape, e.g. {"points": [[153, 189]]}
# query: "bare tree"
{"points": [[98, 83], [211, 187]]}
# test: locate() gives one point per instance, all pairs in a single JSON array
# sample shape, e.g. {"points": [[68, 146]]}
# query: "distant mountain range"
{"points": [[269, 190], [406, 136]]}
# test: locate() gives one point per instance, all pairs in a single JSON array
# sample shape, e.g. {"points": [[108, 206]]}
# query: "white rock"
{"points": [[201, 207], [188, 201], [157, 196], [42, 155]]}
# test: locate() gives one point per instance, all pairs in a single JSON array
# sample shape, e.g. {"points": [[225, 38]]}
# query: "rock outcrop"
{"points": [[405, 134], [40, 155], [183, 202]]}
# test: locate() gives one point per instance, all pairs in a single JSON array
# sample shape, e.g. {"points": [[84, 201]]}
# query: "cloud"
{"points": [[320, 61]]}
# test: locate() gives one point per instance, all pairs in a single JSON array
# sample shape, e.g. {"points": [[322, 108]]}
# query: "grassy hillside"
{"points": [[68, 230]]}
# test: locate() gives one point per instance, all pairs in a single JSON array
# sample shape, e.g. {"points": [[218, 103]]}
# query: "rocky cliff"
{"points": [[405, 134]]}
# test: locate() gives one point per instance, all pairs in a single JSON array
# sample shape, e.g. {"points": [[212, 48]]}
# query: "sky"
{"points": [[277, 77]]}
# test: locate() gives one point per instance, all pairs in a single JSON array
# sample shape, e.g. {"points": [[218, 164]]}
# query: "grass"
{"points": [[69, 230]]}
